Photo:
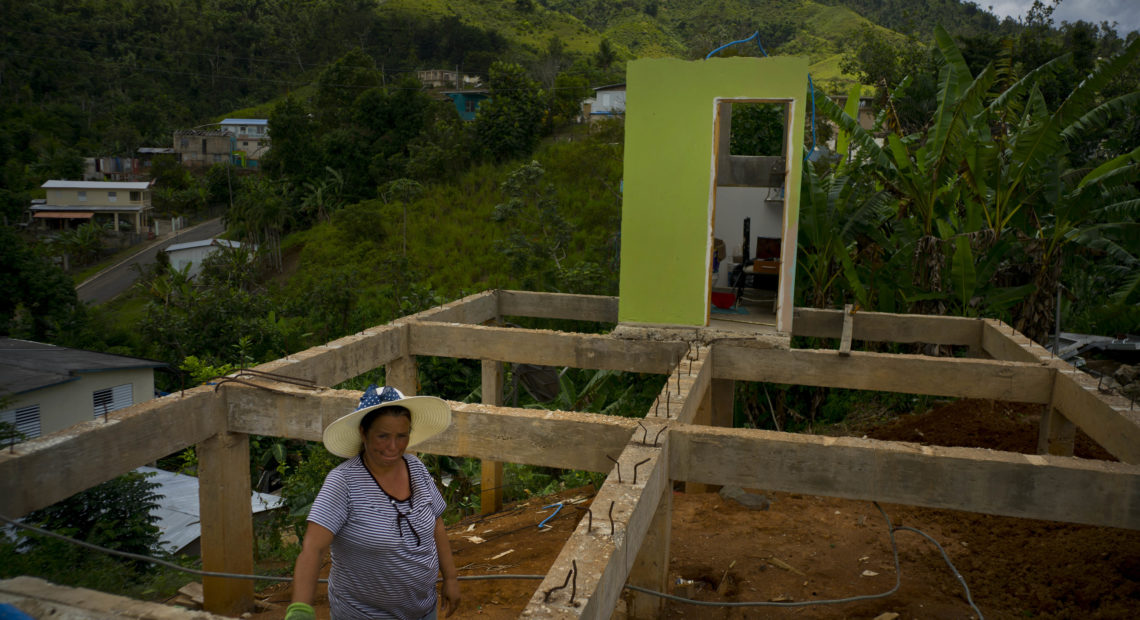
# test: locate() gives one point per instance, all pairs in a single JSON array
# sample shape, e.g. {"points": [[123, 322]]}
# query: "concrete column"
{"points": [[651, 568], [703, 416], [491, 478], [401, 374], [227, 522], [1056, 434]]}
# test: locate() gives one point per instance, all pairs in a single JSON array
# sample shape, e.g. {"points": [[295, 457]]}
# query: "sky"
{"points": [[1125, 12]]}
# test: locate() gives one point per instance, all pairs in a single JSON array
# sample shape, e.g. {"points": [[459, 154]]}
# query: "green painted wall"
{"points": [[669, 163]]}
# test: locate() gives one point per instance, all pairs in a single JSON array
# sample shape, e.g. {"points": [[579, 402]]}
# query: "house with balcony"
{"points": [[447, 78], [124, 205]]}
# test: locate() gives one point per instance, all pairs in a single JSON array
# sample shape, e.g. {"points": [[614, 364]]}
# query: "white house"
{"points": [[45, 388], [193, 253], [607, 101]]}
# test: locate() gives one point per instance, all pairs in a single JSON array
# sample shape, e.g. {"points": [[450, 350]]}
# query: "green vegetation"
{"points": [[1007, 167]]}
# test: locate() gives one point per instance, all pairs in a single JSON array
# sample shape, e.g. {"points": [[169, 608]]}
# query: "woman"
{"points": [[379, 511]]}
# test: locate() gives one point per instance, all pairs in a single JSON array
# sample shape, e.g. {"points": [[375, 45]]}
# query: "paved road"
{"points": [[113, 281]]}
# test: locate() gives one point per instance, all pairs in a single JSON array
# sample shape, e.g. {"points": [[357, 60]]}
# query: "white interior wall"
{"points": [[733, 204]]}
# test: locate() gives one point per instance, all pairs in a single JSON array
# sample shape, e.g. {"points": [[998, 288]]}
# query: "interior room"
{"points": [[748, 215]]}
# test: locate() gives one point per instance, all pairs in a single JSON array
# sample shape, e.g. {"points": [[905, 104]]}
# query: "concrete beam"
{"points": [[1107, 418], [986, 481], [40, 472], [558, 306], [908, 374], [605, 557], [544, 347], [473, 309], [344, 358], [887, 327], [528, 436]]}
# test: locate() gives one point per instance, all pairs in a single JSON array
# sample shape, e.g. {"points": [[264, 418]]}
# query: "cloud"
{"points": [[1125, 12]]}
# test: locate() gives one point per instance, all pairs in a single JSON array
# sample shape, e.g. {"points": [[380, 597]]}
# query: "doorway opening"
{"points": [[748, 216]]}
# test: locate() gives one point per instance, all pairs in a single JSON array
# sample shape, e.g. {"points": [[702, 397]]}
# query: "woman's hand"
{"points": [[450, 589], [450, 594]]}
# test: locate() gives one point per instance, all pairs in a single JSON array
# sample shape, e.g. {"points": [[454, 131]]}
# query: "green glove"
{"points": [[300, 611]]}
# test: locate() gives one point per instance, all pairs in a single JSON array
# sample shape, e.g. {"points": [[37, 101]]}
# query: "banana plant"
{"points": [[985, 204]]}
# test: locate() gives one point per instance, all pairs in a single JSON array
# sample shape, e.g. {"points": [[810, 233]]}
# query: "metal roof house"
{"points": [[45, 388], [191, 254]]}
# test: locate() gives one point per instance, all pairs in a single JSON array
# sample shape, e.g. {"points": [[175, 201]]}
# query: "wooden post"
{"points": [[401, 374], [227, 522], [651, 568], [491, 472]]}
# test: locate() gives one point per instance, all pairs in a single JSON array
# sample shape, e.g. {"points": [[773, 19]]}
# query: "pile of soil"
{"points": [[796, 548]]}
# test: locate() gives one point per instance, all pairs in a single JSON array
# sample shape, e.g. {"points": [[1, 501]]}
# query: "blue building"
{"points": [[467, 102]]}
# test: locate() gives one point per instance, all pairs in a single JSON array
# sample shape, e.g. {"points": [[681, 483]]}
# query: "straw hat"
{"points": [[430, 416]]}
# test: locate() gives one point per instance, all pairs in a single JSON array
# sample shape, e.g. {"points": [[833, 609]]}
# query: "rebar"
{"points": [[656, 404], [667, 397], [574, 582], [618, 466], [546, 599], [690, 369], [611, 518], [658, 435], [309, 383], [678, 382], [635, 466], [223, 380], [645, 435], [590, 517]]}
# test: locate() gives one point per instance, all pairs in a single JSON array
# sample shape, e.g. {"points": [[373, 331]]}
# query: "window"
{"points": [[82, 196], [136, 196], [26, 420], [112, 196], [245, 143], [241, 129], [185, 143], [471, 105], [203, 146], [110, 399]]}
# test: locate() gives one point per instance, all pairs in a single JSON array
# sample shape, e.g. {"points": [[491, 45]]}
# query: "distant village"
{"points": [[115, 192]]}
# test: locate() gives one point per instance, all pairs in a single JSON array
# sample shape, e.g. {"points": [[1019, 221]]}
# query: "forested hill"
{"points": [[109, 75], [81, 78]]}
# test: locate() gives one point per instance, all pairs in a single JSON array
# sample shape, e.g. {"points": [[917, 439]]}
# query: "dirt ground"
{"points": [[805, 548]]}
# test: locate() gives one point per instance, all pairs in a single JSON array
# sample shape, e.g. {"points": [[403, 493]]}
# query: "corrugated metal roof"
{"points": [[222, 243], [245, 121], [57, 184], [178, 514]]}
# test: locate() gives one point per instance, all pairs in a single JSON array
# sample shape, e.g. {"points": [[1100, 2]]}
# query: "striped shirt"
{"points": [[384, 558]]}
